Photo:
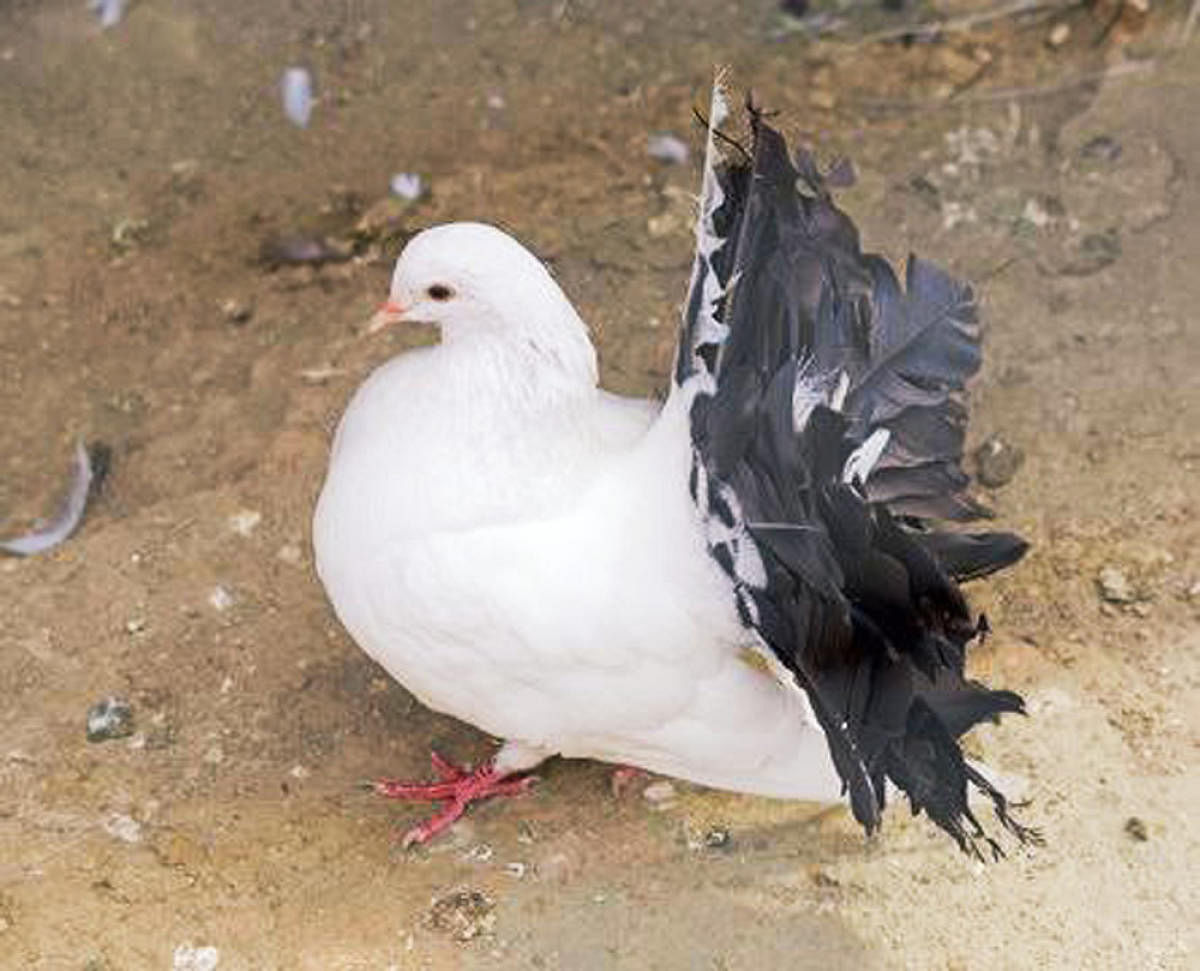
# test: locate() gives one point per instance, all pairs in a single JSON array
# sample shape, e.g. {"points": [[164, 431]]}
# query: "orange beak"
{"points": [[389, 312]]}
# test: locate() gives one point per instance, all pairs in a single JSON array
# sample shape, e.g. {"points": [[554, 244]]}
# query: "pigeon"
{"points": [[744, 585]]}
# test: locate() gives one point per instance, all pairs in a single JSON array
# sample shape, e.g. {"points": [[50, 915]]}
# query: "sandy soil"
{"points": [[143, 168]]}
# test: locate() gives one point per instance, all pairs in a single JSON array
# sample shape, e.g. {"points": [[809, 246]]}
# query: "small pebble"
{"points": [[237, 311], [290, 554], [185, 175], [717, 838], [385, 219], [123, 827], [299, 772], [320, 374], [1036, 214], [109, 718], [245, 521], [666, 147], [189, 958], [480, 853], [1114, 585], [1136, 829], [666, 224], [659, 792], [956, 213], [997, 461], [128, 233], [220, 599], [463, 914], [1101, 148], [135, 625], [1096, 251], [1058, 35]]}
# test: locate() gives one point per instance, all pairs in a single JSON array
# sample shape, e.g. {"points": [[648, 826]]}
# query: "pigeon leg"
{"points": [[624, 776], [457, 789]]}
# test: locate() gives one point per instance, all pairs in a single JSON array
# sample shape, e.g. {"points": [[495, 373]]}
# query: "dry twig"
{"points": [[1017, 93], [964, 23]]}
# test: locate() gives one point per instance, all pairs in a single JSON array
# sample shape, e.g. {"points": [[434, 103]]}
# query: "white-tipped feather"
{"points": [[708, 329], [811, 389], [838, 399], [861, 462]]}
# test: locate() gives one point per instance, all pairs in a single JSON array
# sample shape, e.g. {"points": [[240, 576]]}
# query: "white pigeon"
{"points": [[736, 587]]}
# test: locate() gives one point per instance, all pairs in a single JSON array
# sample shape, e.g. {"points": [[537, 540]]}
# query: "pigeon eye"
{"points": [[440, 292]]}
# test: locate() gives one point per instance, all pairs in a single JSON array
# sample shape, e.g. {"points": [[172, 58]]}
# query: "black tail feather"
{"points": [[804, 352], [968, 556]]}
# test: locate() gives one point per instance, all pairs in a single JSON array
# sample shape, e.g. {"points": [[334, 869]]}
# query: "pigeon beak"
{"points": [[390, 312]]}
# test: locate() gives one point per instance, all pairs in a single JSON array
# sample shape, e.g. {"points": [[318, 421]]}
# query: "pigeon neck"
{"points": [[516, 373], [533, 345]]}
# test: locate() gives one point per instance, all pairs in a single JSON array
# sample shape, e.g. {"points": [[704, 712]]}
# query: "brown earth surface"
{"points": [[144, 167]]}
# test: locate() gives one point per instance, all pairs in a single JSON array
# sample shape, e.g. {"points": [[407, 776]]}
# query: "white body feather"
{"points": [[519, 549]]}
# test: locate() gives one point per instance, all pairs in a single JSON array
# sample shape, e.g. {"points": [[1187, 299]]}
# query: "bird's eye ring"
{"points": [[440, 292]]}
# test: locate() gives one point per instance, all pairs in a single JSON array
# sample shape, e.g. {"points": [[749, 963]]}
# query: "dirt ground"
{"points": [[143, 167]]}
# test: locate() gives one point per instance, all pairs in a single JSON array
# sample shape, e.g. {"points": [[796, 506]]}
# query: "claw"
{"points": [[623, 777], [447, 771], [457, 789], [415, 792]]}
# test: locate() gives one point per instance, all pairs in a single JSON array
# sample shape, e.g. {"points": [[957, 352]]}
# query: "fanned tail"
{"points": [[828, 424]]}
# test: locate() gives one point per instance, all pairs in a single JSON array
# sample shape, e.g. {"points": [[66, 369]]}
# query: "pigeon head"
{"points": [[476, 283]]}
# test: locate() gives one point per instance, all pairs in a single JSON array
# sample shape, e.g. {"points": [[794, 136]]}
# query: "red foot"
{"points": [[457, 790], [623, 777]]}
